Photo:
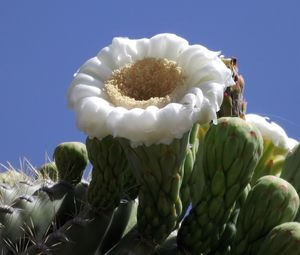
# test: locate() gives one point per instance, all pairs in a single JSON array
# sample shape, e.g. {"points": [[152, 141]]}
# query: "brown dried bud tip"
{"points": [[233, 103]]}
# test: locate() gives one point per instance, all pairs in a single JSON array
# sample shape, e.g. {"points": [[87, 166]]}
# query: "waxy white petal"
{"points": [[271, 131]]}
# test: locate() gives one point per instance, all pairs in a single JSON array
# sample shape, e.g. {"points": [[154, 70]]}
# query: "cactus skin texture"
{"points": [[270, 202], [291, 171], [158, 170], [109, 164], [232, 149], [160, 204], [30, 216], [284, 239], [229, 233], [121, 218]]}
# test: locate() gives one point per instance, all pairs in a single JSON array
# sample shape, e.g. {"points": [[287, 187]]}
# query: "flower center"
{"points": [[150, 81]]}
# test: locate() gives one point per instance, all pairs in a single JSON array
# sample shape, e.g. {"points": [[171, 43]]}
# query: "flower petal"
{"points": [[84, 82], [292, 143], [81, 91], [95, 68], [174, 120], [195, 57], [123, 51], [92, 113], [271, 131], [166, 46], [213, 71], [107, 58], [214, 93], [142, 48]]}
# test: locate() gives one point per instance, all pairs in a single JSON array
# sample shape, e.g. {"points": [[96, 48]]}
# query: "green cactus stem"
{"points": [[71, 197], [117, 228], [80, 235], [283, 239], [231, 151], [270, 202]]}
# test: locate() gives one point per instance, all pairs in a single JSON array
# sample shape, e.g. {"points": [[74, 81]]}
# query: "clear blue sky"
{"points": [[42, 43]]}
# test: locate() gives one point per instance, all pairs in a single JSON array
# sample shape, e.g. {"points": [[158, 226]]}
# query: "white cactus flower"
{"points": [[272, 131], [148, 90]]}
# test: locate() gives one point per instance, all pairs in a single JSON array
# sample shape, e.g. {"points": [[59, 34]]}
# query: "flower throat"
{"points": [[146, 82]]}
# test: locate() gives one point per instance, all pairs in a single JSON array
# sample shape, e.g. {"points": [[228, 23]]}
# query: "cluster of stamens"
{"points": [[146, 82]]}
